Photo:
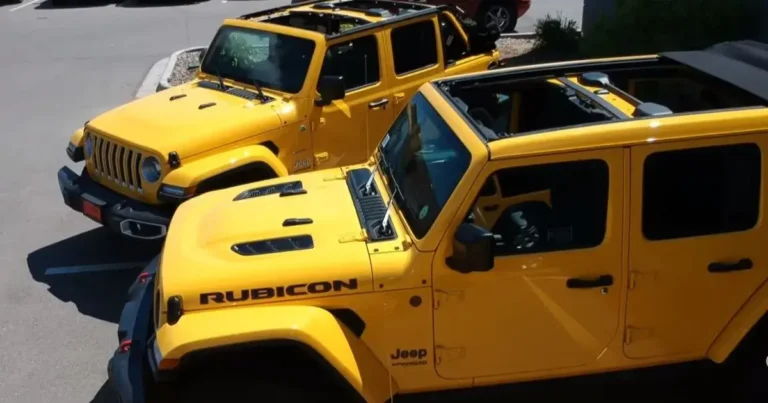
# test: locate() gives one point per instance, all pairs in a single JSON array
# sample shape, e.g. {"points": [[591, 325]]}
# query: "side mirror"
{"points": [[330, 88], [473, 249]]}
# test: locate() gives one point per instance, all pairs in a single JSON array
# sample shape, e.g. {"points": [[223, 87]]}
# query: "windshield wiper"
{"points": [[386, 229], [221, 81], [257, 83], [387, 170]]}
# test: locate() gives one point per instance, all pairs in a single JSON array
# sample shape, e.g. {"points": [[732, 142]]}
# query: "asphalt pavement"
{"points": [[62, 279]]}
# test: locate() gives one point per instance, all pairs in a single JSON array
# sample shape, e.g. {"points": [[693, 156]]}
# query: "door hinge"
{"points": [[320, 158], [632, 279], [445, 296], [635, 275], [399, 97], [633, 334], [362, 236], [445, 354]]}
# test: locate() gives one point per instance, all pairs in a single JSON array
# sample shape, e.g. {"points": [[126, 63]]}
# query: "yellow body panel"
{"points": [[203, 168], [515, 322], [311, 326], [307, 137]]}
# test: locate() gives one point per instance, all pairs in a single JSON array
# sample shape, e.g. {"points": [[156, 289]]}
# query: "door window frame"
{"points": [[614, 157]]}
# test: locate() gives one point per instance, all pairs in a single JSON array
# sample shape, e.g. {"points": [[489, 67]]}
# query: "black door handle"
{"points": [[720, 267], [492, 207], [376, 104], [602, 281]]}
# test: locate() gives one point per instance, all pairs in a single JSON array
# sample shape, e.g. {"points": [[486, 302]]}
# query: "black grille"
{"points": [[117, 163]]}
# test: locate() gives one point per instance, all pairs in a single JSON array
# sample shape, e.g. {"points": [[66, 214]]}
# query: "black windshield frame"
{"points": [[284, 69], [423, 161]]}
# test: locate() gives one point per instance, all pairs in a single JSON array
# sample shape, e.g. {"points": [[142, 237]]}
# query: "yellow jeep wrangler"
{"points": [[281, 91], [522, 224]]}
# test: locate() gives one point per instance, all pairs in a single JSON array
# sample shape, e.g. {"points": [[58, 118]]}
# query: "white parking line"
{"points": [[93, 268], [19, 7]]}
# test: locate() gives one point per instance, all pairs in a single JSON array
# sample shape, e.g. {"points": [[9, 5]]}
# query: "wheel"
{"points": [[504, 13], [281, 375]]}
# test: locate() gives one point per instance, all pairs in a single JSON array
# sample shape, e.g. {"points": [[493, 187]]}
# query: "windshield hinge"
{"points": [[339, 176], [362, 236]]}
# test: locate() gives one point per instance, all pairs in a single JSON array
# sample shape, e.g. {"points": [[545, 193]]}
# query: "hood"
{"points": [[188, 119], [239, 246]]}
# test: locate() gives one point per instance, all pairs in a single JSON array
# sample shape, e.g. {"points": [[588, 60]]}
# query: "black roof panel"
{"points": [[743, 64]]}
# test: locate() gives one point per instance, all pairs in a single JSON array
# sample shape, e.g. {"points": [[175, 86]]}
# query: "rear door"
{"points": [[455, 44], [415, 58], [697, 243]]}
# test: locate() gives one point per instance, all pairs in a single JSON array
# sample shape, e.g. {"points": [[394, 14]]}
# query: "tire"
{"points": [[214, 390], [277, 376], [507, 10]]}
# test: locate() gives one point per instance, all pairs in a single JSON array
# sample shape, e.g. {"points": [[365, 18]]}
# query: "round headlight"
{"points": [[151, 169], [88, 146]]}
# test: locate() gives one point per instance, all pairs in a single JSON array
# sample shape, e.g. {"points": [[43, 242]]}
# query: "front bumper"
{"points": [[115, 211], [127, 369]]}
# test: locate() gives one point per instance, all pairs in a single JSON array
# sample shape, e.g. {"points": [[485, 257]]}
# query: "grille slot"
{"points": [[117, 163]]}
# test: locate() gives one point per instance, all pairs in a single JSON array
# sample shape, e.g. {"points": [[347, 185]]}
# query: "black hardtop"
{"points": [[743, 64]]}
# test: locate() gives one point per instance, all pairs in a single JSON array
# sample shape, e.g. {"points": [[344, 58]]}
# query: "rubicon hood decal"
{"points": [[317, 287]]}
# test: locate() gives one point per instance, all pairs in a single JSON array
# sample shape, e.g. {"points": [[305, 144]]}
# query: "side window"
{"points": [[701, 191], [547, 208], [357, 61], [454, 47], [414, 46]]}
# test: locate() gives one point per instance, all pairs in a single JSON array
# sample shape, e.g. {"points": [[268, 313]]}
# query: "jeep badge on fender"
{"points": [[409, 357]]}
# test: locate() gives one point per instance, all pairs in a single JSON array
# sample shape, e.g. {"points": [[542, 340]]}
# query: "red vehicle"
{"points": [[505, 12]]}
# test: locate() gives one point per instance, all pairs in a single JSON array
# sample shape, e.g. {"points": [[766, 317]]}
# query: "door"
{"points": [[552, 299], [346, 131], [456, 49], [697, 243], [415, 59]]}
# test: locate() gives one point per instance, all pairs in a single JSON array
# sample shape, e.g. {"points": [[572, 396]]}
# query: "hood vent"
{"points": [[290, 222], [286, 244], [281, 188], [238, 92]]}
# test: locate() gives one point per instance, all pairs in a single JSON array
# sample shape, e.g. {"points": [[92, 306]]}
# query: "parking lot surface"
{"points": [[63, 280]]}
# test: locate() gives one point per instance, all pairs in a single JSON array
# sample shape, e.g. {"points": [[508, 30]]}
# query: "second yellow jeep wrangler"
{"points": [[529, 223], [281, 91]]}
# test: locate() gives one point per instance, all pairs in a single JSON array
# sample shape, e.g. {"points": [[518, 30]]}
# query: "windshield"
{"points": [[275, 61], [423, 161]]}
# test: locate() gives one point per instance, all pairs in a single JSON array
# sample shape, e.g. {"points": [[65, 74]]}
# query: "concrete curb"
{"points": [[163, 83], [519, 35], [149, 85], [523, 35]]}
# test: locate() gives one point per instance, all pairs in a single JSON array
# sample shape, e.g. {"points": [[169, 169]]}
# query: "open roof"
{"points": [[730, 75], [356, 15]]}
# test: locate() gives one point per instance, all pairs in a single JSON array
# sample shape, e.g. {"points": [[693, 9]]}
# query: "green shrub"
{"points": [[651, 26], [557, 38]]}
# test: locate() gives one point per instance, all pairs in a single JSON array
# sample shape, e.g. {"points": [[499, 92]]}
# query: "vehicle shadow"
{"points": [[70, 4], [105, 395], [157, 3], [693, 382], [93, 270], [65, 5]]}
